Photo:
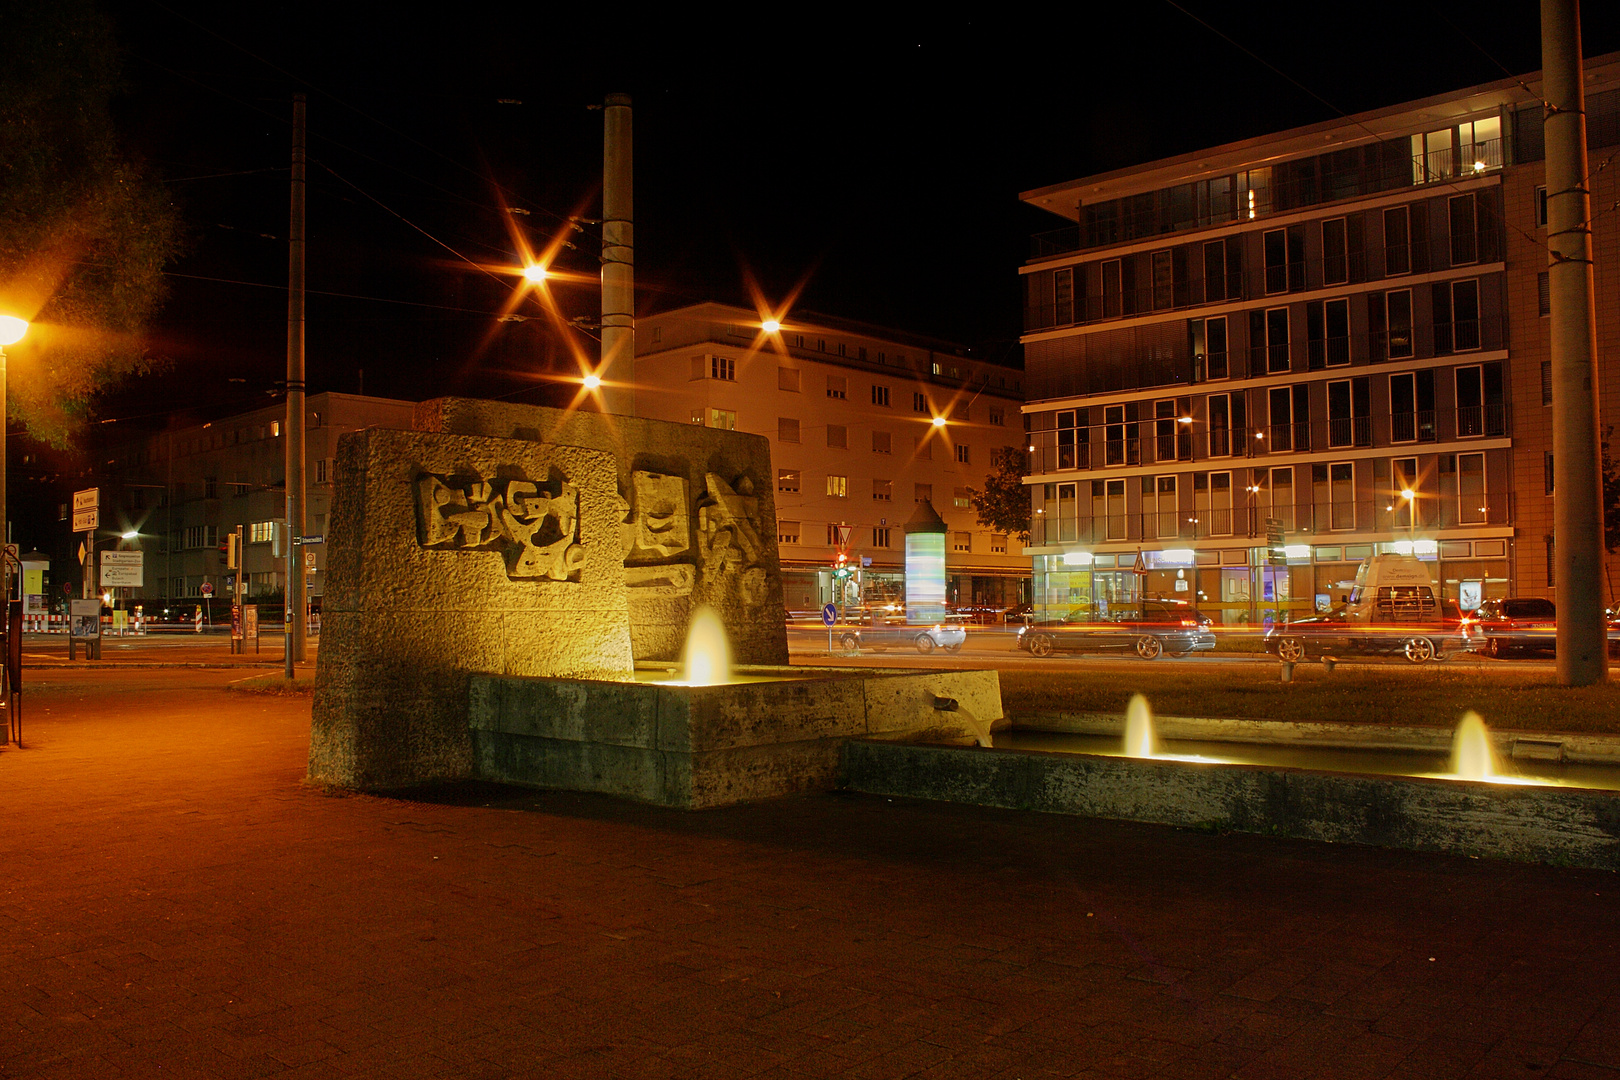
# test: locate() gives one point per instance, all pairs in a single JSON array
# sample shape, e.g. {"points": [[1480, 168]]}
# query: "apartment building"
{"points": [[1258, 364], [182, 490], [864, 423]]}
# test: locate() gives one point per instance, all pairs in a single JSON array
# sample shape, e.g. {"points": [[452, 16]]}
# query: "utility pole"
{"points": [[293, 617], [1577, 475], [618, 370]]}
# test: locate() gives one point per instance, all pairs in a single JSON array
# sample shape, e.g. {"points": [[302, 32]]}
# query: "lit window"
{"points": [[787, 481], [837, 486], [724, 419], [962, 499]]}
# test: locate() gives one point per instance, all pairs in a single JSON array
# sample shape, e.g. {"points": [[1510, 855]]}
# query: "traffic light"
{"points": [[233, 553]]}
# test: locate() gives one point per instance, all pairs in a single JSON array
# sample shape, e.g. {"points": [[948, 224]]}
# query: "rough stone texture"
{"points": [[406, 625], [702, 746], [700, 517], [1569, 826]]}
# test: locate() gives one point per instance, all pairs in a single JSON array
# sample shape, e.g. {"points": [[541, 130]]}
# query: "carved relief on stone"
{"points": [[660, 581], [537, 530], [659, 524], [728, 527]]}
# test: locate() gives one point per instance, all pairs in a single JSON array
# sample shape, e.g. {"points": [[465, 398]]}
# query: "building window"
{"points": [[787, 481], [838, 436], [1063, 296], [1552, 563], [923, 448], [880, 395], [922, 493], [1546, 382], [821, 345], [1160, 265], [963, 541], [787, 429], [842, 349], [1212, 503], [962, 454], [261, 532], [837, 387], [1349, 406], [1334, 495], [320, 476], [880, 538], [1284, 251], [919, 402], [1541, 207], [787, 532], [1403, 490], [724, 419], [838, 486], [1335, 256], [834, 535], [962, 499], [881, 442], [1464, 230], [998, 544], [1327, 333], [1398, 324], [242, 489], [1456, 316], [998, 416], [1473, 504], [1411, 406], [787, 378], [1112, 290], [1547, 472], [723, 368], [1397, 241], [883, 490], [210, 488], [1479, 400], [1543, 294]]}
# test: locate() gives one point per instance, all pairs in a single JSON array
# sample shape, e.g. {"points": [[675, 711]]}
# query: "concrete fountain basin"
{"points": [[768, 732], [1556, 822]]}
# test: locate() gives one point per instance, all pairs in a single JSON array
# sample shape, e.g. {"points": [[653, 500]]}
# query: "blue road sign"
{"points": [[829, 614]]}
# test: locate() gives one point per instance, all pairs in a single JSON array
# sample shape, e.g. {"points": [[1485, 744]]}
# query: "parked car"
{"points": [[1516, 623], [1150, 629], [880, 632], [1392, 611], [1526, 624]]}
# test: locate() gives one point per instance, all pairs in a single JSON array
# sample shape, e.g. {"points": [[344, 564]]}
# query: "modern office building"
{"points": [[182, 490], [1259, 363], [864, 423]]}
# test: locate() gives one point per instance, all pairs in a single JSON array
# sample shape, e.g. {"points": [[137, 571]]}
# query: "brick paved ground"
{"points": [[174, 903]]}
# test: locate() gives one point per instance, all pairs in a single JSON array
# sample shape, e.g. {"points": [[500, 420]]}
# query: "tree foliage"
{"points": [[1611, 493], [84, 233], [1003, 502]]}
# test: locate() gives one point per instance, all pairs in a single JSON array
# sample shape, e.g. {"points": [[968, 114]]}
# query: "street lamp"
{"points": [[12, 330]]}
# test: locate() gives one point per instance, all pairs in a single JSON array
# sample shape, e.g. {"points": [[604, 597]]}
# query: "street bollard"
{"points": [[1287, 670]]}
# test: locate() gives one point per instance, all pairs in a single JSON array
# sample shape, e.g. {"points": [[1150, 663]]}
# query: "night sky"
{"points": [[873, 158]]}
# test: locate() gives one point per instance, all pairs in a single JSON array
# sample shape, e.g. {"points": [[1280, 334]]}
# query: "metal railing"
{"points": [[1439, 166], [1274, 282], [1139, 442]]}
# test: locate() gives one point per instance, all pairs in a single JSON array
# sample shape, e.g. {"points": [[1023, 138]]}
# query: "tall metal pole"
{"points": [[618, 369], [293, 619], [1577, 475]]}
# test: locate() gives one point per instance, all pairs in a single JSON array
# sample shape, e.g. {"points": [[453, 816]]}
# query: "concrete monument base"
{"points": [[704, 746]]}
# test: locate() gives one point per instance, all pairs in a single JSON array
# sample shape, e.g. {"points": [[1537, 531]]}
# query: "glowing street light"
{"points": [[939, 421], [593, 381], [770, 326], [12, 330], [535, 273]]}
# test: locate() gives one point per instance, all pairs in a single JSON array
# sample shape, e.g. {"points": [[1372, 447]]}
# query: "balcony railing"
{"points": [[1302, 523], [1100, 446], [1276, 282], [1438, 166]]}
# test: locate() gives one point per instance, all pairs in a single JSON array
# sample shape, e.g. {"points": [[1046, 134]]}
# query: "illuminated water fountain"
{"points": [[708, 733], [1520, 795]]}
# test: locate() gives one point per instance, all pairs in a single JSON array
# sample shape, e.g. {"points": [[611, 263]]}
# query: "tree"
{"points": [[1003, 503], [1611, 506], [84, 233]]}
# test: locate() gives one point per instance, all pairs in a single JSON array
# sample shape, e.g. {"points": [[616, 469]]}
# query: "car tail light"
{"points": [[1189, 622]]}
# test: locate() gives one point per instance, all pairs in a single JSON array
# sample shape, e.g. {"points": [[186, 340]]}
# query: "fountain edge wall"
{"points": [[1573, 827]]}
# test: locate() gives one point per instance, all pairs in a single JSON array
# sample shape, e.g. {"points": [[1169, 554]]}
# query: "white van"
{"points": [[1393, 609]]}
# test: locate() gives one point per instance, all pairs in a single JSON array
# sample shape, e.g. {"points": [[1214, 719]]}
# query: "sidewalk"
{"points": [[174, 902], [161, 650]]}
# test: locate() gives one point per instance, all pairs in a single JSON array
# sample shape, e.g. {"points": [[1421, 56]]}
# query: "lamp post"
{"points": [[12, 330]]}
